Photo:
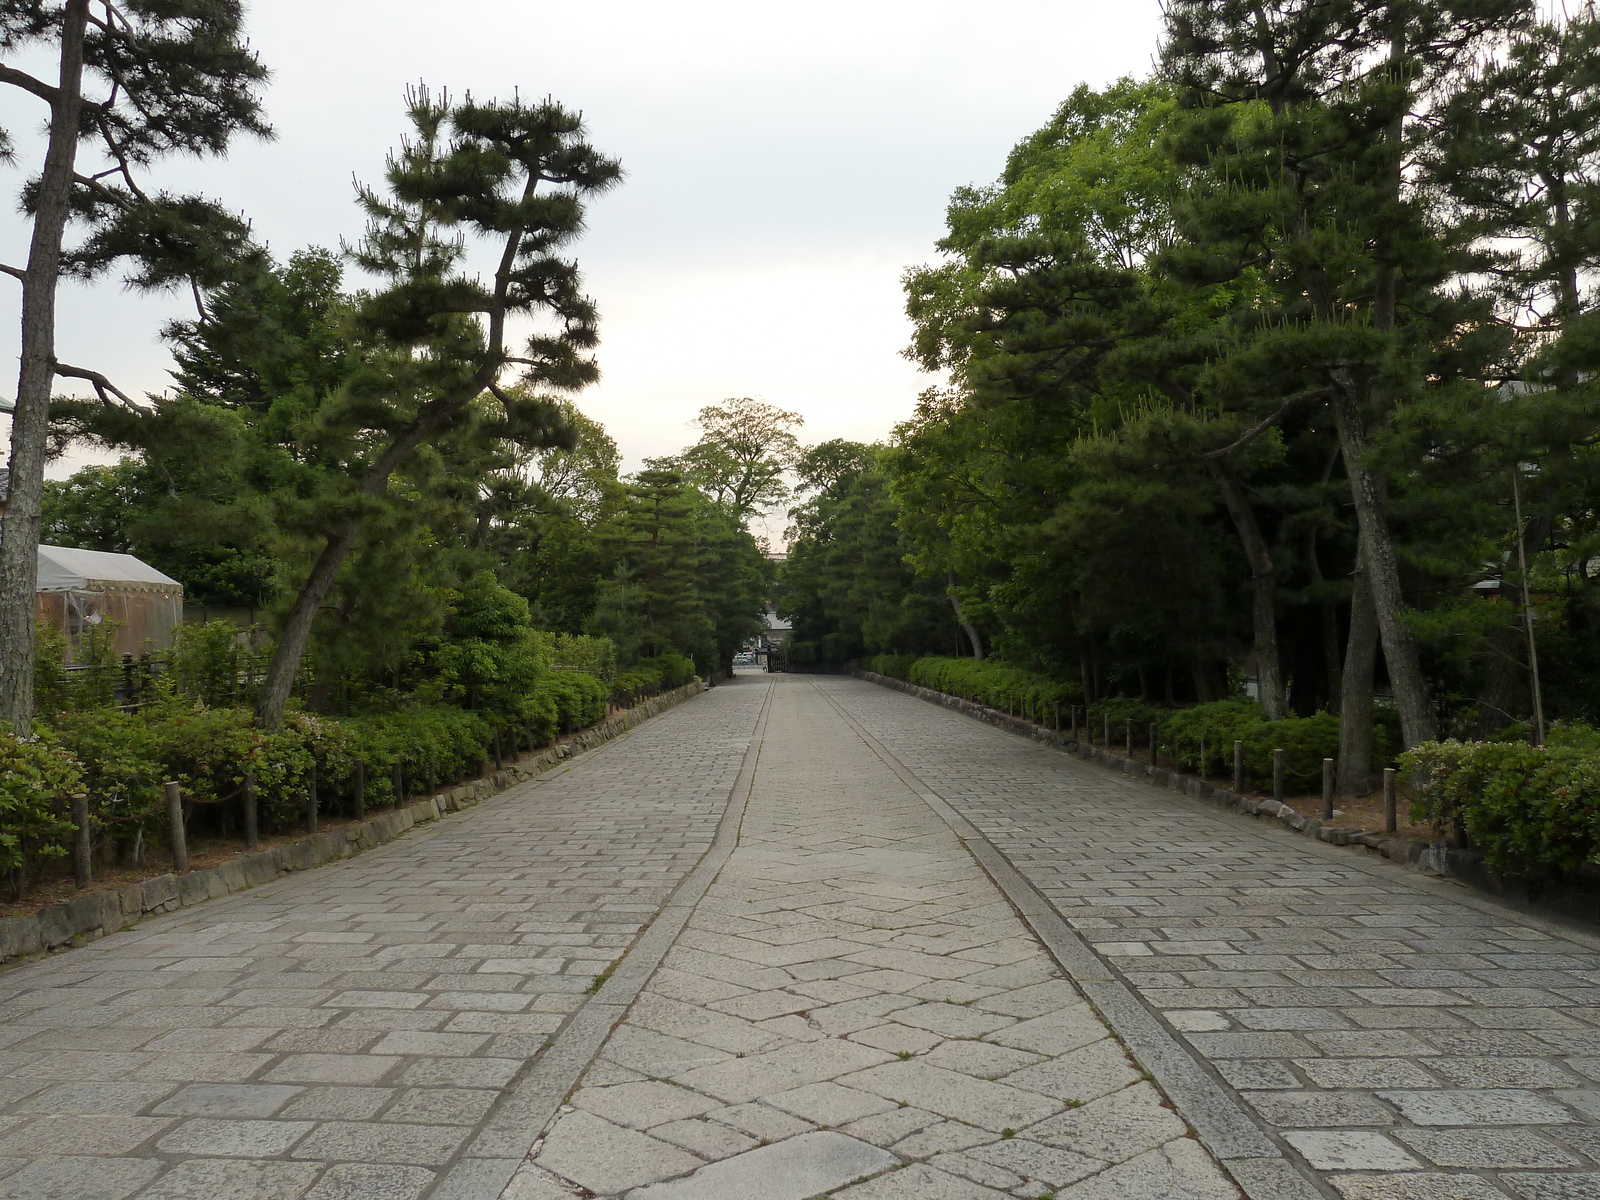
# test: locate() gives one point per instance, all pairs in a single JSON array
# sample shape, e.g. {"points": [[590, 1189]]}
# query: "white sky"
{"points": [[784, 166]]}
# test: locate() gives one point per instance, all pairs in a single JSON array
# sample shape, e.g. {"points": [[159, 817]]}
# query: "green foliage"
{"points": [[660, 673], [35, 778], [452, 741], [997, 684], [596, 656], [1531, 810], [895, 666], [573, 698], [492, 657], [207, 662]]}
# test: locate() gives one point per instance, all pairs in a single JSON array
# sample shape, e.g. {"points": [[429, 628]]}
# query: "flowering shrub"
{"points": [[35, 777]]}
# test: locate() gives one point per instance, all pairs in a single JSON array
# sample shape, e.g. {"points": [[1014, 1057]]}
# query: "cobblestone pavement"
{"points": [[1403, 1039], [854, 1000], [355, 1032]]}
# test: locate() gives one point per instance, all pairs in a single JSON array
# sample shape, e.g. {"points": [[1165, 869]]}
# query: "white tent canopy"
{"points": [[62, 569]]}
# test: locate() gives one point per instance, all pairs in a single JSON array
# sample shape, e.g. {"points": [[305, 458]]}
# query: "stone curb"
{"points": [[1429, 858], [95, 914]]}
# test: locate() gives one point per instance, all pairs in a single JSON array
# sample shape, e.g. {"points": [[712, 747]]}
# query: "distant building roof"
{"points": [[63, 569], [775, 622]]}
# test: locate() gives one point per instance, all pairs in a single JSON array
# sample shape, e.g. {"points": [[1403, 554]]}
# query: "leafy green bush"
{"points": [[1305, 742], [578, 699], [661, 673], [122, 769], [1530, 810], [895, 666], [35, 779], [838, 647], [1121, 710], [995, 683], [206, 661], [801, 654], [595, 656], [454, 742]]}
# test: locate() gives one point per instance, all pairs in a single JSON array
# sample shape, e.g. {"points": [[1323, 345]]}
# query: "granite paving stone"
{"points": [[341, 1033], [1349, 1004], [854, 996]]}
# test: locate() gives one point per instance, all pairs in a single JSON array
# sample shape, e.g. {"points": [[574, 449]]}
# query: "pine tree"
{"points": [[139, 80]]}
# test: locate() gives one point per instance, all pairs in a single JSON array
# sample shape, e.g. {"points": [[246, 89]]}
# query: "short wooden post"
{"points": [[180, 844], [1107, 731], [433, 778], [1277, 776], [1327, 789], [1057, 707], [80, 839], [1202, 760], [252, 830], [1155, 745], [311, 799], [359, 787], [399, 783], [1238, 767], [1391, 821], [1127, 734], [499, 758]]}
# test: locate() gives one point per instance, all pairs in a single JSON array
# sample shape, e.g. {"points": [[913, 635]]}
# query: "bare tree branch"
{"points": [[28, 83], [1267, 423], [14, 272], [103, 387]]}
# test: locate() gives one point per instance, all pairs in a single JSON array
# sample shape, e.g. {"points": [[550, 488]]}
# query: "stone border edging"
{"points": [[1222, 1125], [1427, 858], [108, 910]]}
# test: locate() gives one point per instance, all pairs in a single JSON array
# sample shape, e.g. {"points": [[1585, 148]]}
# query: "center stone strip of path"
{"points": [[854, 1005]]}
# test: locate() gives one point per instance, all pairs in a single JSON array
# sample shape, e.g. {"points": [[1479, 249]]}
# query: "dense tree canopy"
{"points": [[1251, 364]]}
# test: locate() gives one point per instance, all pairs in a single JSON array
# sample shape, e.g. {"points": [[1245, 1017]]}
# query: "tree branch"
{"points": [[1267, 423], [103, 387], [14, 272], [28, 83]]}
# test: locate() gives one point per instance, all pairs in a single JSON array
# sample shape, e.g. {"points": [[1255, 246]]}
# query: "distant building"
{"points": [[81, 589]]}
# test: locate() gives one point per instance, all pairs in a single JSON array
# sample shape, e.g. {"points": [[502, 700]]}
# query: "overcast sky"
{"points": [[784, 165]]}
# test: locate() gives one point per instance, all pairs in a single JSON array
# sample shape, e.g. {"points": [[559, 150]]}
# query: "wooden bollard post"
{"points": [[1155, 746], [1202, 760], [80, 840], [1391, 820], [499, 759], [252, 831], [399, 783], [311, 799], [1057, 707], [1127, 733], [1106, 731], [1072, 715], [1238, 767], [1277, 776], [433, 778], [180, 843], [1327, 789], [358, 785]]}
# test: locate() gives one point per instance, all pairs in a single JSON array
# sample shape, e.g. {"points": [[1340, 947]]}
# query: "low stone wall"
{"points": [[1430, 858], [106, 910]]}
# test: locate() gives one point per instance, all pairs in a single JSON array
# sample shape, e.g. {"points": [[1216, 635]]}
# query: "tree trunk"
{"points": [[1264, 582], [1383, 578], [296, 632], [1330, 626], [30, 424], [1355, 700], [967, 626]]}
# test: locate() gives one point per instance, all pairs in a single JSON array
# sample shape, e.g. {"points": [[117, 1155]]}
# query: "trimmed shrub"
{"points": [[661, 673], [1530, 810], [995, 683], [35, 779], [895, 666]]}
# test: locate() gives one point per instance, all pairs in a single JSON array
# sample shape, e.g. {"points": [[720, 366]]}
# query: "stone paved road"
{"points": [[1403, 1039], [350, 1032], [854, 999]]}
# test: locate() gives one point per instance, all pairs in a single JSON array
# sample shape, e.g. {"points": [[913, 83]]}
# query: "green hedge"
{"points": [[661, 673], [1305, 742], [995, 683], [1529, 810], [895, 666]]}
